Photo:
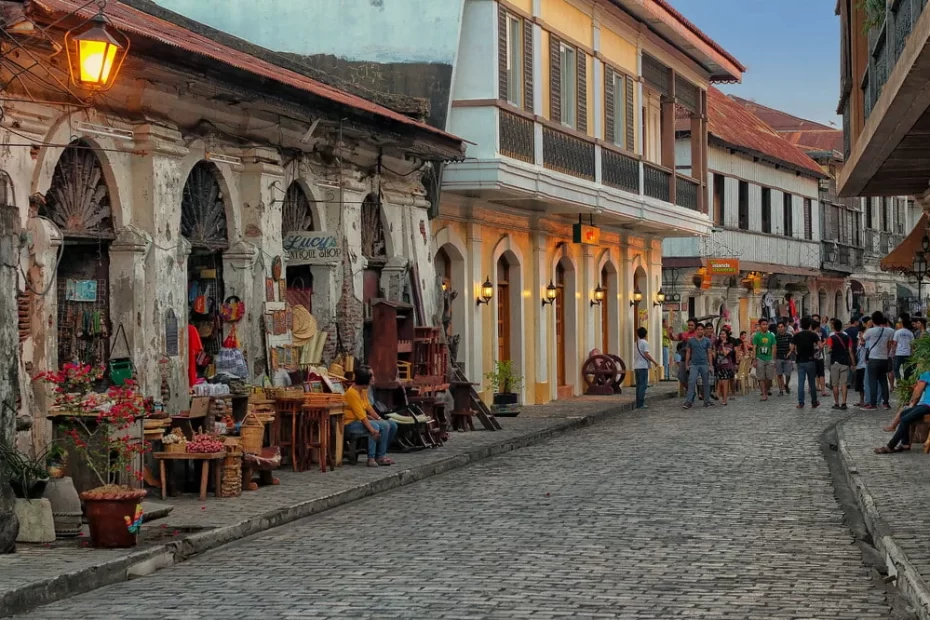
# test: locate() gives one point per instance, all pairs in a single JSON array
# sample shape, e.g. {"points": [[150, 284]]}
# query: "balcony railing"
{"points": [[619, 170], [656, 182], [886, 43], [841, 257], [518, 137], [568, 154], [686, 193]]}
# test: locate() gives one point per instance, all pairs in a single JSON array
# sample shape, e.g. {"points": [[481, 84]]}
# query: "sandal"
{"points": [[887, 450], [889, 429], [385, 461], [372, 463]]}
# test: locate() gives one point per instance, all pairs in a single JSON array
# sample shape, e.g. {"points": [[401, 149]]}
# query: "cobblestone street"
{"points": [[725, 512]]}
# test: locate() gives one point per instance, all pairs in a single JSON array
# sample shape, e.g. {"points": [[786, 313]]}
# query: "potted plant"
{"points": [[27, 476], [506, 384], [100, 435]]}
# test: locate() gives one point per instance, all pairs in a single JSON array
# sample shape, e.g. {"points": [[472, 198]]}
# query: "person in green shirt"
{"points": [[763, 345]]}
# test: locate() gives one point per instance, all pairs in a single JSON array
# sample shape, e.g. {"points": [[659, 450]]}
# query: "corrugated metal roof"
{"points": [[135, 22], [809, 135], [736, 126]]}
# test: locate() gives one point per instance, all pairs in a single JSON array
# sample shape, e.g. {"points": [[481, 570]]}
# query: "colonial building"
{"points": [[763, 258], [159, 199], [856, 233]]}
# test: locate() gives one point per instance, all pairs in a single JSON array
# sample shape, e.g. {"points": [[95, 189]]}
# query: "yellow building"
{"points": [[570, 109]]}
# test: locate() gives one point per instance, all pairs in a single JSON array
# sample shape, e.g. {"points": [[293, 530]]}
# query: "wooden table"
{"points": [[337, 424], [205, 460]]}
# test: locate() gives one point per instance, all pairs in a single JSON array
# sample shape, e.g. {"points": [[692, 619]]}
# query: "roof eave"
{"points": [[819, 174]]}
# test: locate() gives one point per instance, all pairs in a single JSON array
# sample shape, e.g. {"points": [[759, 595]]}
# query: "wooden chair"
{"points": [[288, 429]]}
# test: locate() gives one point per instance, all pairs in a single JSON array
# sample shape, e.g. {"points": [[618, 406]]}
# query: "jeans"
{"points": [[901, 361], [642, 380], [866, 393], [376, 447], [908, 417], [665, 374], [702, 371], [878, 380], [807, 370]]}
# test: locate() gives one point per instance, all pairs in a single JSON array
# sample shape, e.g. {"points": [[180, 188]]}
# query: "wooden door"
{"points": [[560, 322], [503, 309]]}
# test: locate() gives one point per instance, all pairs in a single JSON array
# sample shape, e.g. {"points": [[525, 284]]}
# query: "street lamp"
{"points": [[919, 267], [551, 294], [96, 52], [660, 298], [637, 297], [599, 294], [487, 292]]}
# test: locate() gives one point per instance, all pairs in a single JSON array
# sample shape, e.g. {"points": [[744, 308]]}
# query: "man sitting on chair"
{"points": [[361, 417]]}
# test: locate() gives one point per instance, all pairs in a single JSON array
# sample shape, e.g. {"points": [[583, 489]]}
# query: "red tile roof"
{"points": [[737, 127], [135, 22], [700, 33], [809, 135]]}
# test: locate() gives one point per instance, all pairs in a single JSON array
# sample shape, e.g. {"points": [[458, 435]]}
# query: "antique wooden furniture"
{"points": [[337, 436], [205, 461], [288, 428], [599, 372], [391, 341]]}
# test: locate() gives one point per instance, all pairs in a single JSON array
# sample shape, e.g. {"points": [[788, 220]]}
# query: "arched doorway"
{"points": [[640, 318], [78, 202], [504, 310], [822, 304], [203, 224], [374, 249], [296, 217], [566, 321]]}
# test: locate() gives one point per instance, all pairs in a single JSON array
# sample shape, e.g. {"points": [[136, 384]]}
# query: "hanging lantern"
{"points": [[96, 52]]}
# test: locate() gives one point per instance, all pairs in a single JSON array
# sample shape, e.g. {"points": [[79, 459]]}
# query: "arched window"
{"points": [[296, 212], [203, 211], [78, 200]]}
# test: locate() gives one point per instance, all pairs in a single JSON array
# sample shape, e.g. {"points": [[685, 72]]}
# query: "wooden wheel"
{"points": [[621, 372], [599, 373]]}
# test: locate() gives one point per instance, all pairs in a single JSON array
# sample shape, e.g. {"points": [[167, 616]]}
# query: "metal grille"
{"points": [[78, 200], [686, 193], [686, 93], [866, 97], [203, 212], [656, 182], [517, 139], [656, 74], [880, 64], [296, 215], [568, 154], [902, 27], [619, 171]]}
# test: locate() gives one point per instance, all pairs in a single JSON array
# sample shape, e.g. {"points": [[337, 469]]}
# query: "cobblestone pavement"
{"points": [[720, 513]]}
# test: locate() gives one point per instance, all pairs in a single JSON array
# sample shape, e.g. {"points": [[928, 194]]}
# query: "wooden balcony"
{"points": [[841, 257]]}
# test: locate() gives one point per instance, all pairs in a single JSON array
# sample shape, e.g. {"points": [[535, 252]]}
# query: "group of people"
{"points": [[866, 355]]}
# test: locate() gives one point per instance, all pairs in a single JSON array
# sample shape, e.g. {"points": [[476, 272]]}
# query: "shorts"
{"points": [[765, 370], [784, 368], [839, 374], [821, 371], [860, 380]]}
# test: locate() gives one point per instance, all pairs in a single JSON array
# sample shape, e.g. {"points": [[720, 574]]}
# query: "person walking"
{"points": [[763, 343], [641, 364], [852, 330], [803, 345], [819, 362], [902, 341], [839, 344], [682, 338], [697, 363], [878, 341], [783, 364], [724, 365]]}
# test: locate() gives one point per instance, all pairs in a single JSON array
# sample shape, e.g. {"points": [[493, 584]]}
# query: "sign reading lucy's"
{"points": [[311, 248], [723, 266]]}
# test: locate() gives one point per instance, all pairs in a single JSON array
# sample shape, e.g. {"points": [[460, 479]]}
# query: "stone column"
{"points": [[9, 320], [394, 279], [128, 307], [474, 268], [587, 283], [240, 264], [544, 324]]}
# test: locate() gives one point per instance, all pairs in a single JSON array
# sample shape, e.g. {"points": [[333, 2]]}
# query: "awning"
{"points": [[905, 291], [901, 259]]}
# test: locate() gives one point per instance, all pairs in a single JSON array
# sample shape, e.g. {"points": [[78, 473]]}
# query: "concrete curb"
{"points": [[141, 563], [907, 578]]}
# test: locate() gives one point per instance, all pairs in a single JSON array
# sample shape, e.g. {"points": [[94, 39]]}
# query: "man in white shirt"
{"points": [[642, 361], [877, 341], [903, 338]]}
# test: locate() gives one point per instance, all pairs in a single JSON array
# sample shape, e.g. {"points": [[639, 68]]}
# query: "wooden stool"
{"points": [[287, 418], [315, 436], [205, 460]]}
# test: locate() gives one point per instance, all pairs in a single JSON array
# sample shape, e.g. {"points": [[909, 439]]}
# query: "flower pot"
{"points": [[507, 398], [33, 492], [66, 507], [106, 516], [505, 405]]}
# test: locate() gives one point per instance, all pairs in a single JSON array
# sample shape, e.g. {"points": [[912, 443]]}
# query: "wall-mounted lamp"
{"points": [[637, 297], [96, 51], [551, 293], [599, 294], [660, 298], [445, 285], [487, 292]]}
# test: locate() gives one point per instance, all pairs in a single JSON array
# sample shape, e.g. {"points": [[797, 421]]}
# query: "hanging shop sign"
{"points": [[81, 290], [586, 235], [723, 266], [311, 248]]}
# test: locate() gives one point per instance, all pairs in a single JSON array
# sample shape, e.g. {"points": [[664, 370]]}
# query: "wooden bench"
{"points": [[205, 461]]}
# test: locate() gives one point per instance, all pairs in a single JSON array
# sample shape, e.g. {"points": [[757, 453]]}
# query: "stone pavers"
{"points": [[725, 512], [38, 574]]}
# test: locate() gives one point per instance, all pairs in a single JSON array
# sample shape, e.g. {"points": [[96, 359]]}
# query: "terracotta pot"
{"points": [[108, 529], [66, 507]]}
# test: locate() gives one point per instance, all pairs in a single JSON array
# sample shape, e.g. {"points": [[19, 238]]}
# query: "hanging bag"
{"points": [[233, 309], [120, 368]]}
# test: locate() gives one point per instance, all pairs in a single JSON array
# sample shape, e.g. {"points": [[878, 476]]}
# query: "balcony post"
{"points": [[668, 134], [699, 152]]}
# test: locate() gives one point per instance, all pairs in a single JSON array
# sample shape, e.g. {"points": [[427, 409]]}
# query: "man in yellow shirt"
{"points": [[360, 416]]}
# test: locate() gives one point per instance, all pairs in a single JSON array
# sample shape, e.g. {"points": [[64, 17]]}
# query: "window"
{"points": [[515, 60], [743, 205], [618, 108], [719, 199], [568, 84], [869, 221], [766, 210], [808, 222], [788, 214], [884, 214]]}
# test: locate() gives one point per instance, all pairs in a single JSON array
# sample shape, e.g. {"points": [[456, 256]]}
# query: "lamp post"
{"points": [[96, 52], [919, 267]]}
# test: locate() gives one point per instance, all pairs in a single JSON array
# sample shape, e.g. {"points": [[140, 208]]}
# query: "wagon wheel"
{"points": [[599, 373], [621, 371]]}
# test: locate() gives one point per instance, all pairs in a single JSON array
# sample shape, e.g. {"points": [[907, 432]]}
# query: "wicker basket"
{"points": [[175, 448], [252, 433], [231, 484]]}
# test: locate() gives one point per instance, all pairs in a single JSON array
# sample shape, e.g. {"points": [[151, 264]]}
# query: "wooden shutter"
{"points": [[630, 116], [527, 66], [609, 122], [582, 63], [808, 224], [555, 80], [502, 77]]}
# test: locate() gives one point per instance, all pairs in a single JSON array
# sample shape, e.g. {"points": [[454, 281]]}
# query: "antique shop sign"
{"points": [[311, 248]]}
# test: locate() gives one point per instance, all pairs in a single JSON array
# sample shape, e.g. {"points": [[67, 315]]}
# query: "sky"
{"points": [[790, 49]]}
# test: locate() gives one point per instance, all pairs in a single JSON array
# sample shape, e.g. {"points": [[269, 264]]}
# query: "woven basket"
{"points": [[252, 433], [231, 484], [176, 448]]}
